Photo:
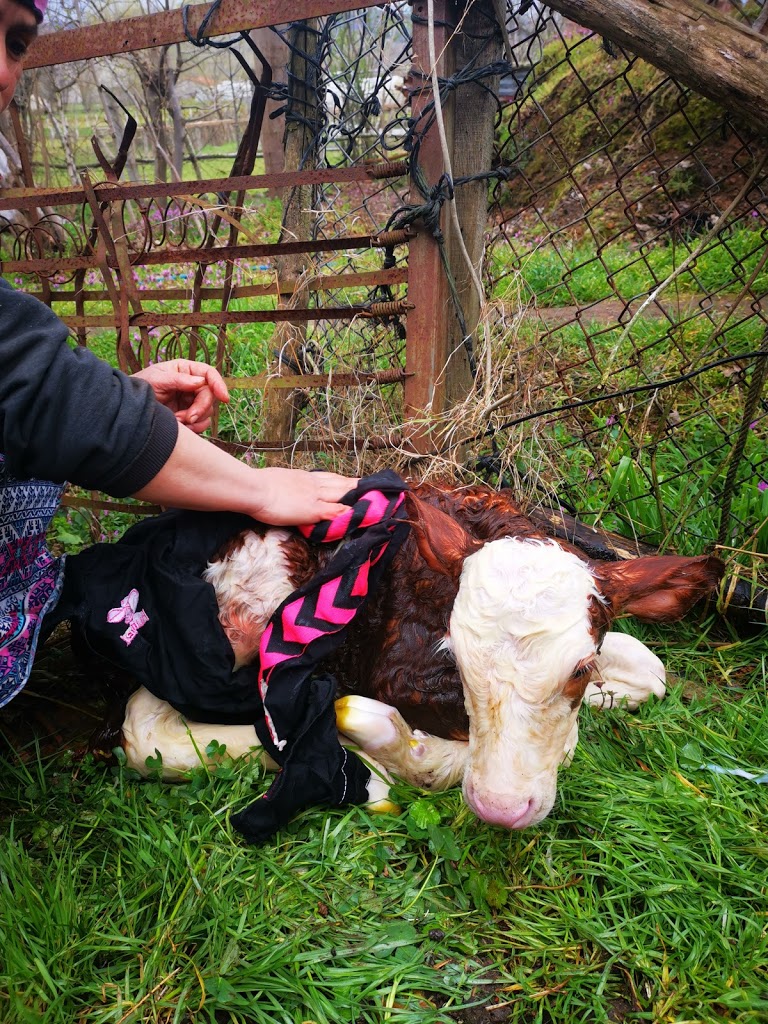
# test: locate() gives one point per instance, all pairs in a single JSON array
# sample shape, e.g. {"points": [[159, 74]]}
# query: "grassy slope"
{"points": [[667, 150]]}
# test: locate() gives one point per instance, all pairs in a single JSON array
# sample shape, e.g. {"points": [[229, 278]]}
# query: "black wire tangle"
{"points": [[464, 76], [404, 132], [350, 126], [356, 99], [612, 396], [201, 38], [314, 117]]}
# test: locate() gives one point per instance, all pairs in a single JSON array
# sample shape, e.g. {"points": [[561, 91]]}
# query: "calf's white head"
{"points": [[526, 627]]}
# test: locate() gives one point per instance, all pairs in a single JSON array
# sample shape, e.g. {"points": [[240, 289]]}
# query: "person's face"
{"points": [[18, 27]]}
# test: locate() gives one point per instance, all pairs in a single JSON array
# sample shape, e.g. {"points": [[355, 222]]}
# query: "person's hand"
{"points": [[295, 497], [189, 389]]}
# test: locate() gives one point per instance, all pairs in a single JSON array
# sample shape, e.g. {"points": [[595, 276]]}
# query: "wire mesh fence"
{"points": [[628, 254]]}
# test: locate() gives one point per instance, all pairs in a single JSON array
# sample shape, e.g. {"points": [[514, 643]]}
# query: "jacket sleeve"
{"points": [[66, 415]]}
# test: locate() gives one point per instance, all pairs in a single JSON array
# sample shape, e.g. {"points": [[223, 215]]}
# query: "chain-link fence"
{"points": [[627, 256]]}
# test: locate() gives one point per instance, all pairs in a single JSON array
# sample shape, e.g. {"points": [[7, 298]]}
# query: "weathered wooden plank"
{"points": [[476, 45]]}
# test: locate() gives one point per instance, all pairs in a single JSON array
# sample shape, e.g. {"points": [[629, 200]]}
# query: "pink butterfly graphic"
{"points": [[127, 613], [127, 610]]}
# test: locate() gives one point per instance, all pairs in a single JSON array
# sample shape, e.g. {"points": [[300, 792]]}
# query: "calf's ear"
{"points": [[660, 588], [442, 542]]}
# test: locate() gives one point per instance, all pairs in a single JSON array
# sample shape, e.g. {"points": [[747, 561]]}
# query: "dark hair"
{"points": [[36, 6]]}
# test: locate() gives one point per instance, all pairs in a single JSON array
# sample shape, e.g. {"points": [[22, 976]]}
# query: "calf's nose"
{"points": [[497, 810]]}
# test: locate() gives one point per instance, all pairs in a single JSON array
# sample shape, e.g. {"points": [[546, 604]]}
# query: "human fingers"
{"points": [[330, 510], [184, 382], [190, 396], [213, 378], [198, 424], [332, 486], [201, 408], [171, 387]]}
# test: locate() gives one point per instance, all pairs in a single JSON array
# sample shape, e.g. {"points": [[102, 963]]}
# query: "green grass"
{"points": [[585, 102], [215, 160], [651, 466], [572, 274], [642, 897]]}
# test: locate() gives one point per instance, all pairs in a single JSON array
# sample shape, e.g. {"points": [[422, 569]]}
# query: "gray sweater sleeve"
{"points": [[66, 415]]}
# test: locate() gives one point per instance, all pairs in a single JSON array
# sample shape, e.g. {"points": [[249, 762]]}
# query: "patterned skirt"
{"points": [[30, 576]]}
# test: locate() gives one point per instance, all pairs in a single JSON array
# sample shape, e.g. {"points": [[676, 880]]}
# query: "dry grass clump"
{"points": [[362, 429]]}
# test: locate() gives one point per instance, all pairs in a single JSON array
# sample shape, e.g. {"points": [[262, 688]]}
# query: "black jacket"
{"points": [[178, 648], [66, 415]]}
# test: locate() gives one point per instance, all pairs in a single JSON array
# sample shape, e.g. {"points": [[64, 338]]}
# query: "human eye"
{"points": [[17, 45]]}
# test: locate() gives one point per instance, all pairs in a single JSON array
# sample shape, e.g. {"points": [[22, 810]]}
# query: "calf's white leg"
{"points": [[386, 742], [152, 726], [429, 762], [627, 672]]}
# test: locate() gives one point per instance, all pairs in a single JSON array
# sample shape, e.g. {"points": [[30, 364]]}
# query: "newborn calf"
{"points": [[469, 664]]}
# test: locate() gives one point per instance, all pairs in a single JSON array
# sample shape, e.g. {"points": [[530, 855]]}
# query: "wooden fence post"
{"points": [[436, 354], [281, 407], [476, 46], [426, 323]]}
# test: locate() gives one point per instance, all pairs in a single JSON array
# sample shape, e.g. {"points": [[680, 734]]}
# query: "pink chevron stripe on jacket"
{"points": [[330, 602]]}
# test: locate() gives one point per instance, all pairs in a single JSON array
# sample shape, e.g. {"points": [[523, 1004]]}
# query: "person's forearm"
{"points": [[198, 475]]}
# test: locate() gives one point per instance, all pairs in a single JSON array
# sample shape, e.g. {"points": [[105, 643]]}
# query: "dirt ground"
{"points": [[65, 705]]}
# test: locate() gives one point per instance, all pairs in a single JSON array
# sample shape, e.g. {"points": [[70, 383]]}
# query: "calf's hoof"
{"points": [[376, 727], [627, 674], [379, 800], [429, 762]]}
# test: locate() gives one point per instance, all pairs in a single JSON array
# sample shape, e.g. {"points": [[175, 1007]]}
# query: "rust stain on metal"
{"points": [[389, 169], [104, 247], [26, 198], [390, 238], [395, 308], [427, 288], [249, 316], [150, 30], [328, 282], [215, 254], [128, 292], [315, 380]]}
